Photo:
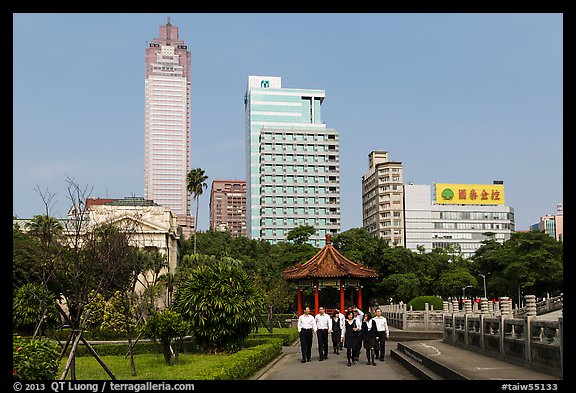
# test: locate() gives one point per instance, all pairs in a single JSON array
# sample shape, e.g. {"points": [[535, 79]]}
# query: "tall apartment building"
{"points": [[552, 224], [292, 162], [382, 198], [167, 124], [228, 206], [455, 214]]}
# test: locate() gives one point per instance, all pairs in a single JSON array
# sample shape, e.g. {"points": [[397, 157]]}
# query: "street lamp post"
{"points": [[484, 278], [464, 290]]}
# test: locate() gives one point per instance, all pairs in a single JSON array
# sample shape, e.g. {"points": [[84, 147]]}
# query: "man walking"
{"points": [[306, 327], [324, 326], [382, 334]]}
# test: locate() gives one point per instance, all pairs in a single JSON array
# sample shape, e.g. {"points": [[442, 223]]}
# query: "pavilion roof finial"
{"points": [[168, 21], [328, 238]]}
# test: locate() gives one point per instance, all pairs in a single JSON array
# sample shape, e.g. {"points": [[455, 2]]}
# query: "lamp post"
{"points": [[464, 291], [484, 278]]}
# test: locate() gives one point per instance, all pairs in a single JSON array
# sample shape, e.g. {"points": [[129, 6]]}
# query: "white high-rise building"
{"points": [[292, 162], [167, 124], [382, 198]]}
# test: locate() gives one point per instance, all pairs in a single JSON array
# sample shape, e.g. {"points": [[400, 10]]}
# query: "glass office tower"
{"points": [[292, 162]]}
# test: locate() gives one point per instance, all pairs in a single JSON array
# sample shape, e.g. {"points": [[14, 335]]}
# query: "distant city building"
{"points": [[292, 162], [228, 206], [382, 198], [552, 225], [167, 124], [456, 214]]}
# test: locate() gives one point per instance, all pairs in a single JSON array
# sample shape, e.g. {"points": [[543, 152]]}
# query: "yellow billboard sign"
{"points": [[469, 194]]}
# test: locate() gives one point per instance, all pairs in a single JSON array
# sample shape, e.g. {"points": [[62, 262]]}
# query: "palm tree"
{"points": [[45, 228], [196, 183]]}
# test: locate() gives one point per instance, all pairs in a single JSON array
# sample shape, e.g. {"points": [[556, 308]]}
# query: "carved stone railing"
{"points": [[529, 342], [542, 307], [399, 317]]}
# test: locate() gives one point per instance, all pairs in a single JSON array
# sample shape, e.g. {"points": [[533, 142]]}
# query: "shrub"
{"points": [[165, 326], [34, 359], [28, 311], [418, 302], [221, 303]]}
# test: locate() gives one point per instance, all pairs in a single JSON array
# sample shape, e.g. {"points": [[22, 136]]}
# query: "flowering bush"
{"points": [[34, 359]]}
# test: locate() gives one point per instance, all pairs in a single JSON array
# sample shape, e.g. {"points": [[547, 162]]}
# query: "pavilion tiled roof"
{"points": [[328, 263]]}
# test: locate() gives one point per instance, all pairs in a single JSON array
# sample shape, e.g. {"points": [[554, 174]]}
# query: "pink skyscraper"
{"points": [[167, 124]]}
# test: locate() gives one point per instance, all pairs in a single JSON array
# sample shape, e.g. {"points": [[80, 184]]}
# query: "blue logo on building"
{"points": [[264, 84]]}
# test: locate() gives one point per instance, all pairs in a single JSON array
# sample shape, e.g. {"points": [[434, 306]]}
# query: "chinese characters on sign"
{"points": [[477, 194]]}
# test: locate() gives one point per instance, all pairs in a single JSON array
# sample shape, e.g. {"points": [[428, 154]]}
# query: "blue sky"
{"points": [[456, 97]]}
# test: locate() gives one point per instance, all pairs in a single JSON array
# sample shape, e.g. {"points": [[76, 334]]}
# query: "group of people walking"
{"points": [[352, 331]]}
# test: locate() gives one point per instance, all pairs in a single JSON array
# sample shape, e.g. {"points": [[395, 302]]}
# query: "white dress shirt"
{"points": [[306, 322], [341, 322], [382, 325], [359, 318], [323, 321]]}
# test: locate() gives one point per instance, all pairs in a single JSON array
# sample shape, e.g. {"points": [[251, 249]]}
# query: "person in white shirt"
{"points": [[350, 332], [323, 327], [337, 331], [382, 334], [306, 327], [358, 317], [369, 337], [342, 318]]}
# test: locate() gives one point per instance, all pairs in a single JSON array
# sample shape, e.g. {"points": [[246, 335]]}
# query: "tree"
{"points": [[222, 304], [26, 312], [358, 245], [533, 262], [45, 228], [165, 326], [98, 260], [195, 184], [300, 234]]}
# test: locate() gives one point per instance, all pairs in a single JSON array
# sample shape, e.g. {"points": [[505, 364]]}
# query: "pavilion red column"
{"points": [[360, 297], [300, 311], [342, 303], [316, 302]]}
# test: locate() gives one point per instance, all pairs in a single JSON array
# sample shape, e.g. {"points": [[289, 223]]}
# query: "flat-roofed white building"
{"points": [[461, 214]]}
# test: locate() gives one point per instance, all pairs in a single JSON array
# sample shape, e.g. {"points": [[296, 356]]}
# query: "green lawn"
{"points": [[148, 367]]}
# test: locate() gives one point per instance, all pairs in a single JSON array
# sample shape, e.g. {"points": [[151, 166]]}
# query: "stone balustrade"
{"points": [[408, 319], [491, 328], [529, 342]]}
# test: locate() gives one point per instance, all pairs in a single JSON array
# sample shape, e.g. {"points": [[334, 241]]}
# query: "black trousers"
{"points": [[357, 345], [380, 347], [322, 343], [336, 337], [306, 343]]}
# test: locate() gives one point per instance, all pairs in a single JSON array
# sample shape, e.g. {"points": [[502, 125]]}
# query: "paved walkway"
{"points": [[469, 364], [472, 365], [289, 367]]}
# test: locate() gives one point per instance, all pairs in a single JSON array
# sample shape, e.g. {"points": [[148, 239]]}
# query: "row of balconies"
{"points": [[283, 170], [282, 137], [282, 148], [287, 160]]}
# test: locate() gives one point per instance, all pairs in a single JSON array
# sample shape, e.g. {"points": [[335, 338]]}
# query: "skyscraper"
{"points": [[167, 124], [292, 162]]}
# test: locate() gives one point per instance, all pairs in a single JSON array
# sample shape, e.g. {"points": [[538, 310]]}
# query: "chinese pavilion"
{"points": [[329, 268]]}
